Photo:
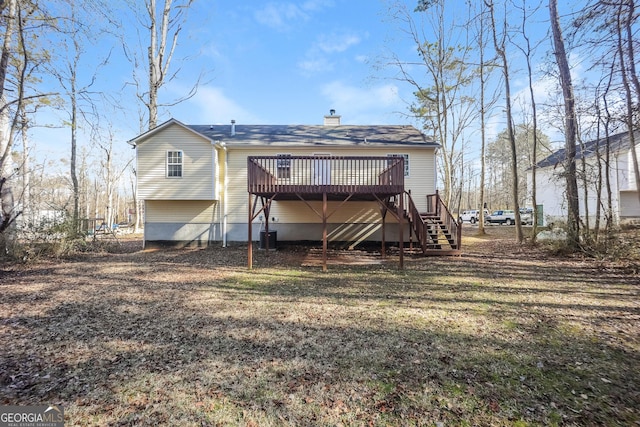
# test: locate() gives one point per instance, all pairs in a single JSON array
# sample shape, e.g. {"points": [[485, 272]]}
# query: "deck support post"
{"points": [[401, 231], [266, 208], [249, 236], [383, 213], [324, 231]]}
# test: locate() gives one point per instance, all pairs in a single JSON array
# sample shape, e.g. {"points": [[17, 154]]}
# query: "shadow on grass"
{"points": [[159, 339]]}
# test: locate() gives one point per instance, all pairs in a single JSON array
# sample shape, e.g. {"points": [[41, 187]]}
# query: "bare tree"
{"points": [[163, 27], [11, 7], [605, 29], [605, 122], [485, 67], [442, 80], [528, 51], [11, 112], [78, 30], [573, 220], [25, 25], [499, 44], [630, 80], [6, 193], [110, 176]]}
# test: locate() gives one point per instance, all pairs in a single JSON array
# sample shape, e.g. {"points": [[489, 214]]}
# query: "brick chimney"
{"points": [[332, 119]]}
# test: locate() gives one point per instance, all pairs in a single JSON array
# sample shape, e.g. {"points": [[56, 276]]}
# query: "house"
{"points": [[203, 184], [551, 184]]}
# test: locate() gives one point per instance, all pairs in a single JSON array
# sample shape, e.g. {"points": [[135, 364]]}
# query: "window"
{"points": [[284, 166], [174, 164], [406, 162]]}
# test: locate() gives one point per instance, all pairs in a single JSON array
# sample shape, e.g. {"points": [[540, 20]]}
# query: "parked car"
{"points": [[526, 216], [501, 217], [472, 215]]}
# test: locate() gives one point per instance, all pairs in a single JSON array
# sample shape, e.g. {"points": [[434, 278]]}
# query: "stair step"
{"points": [[433, 232]]}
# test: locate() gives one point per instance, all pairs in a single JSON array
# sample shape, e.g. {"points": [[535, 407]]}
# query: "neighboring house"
{"points": [[203, 184], [551, 183]]}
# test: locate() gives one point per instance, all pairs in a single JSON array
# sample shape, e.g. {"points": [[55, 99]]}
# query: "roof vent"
{"points": [[233, 128], [332, 119]]}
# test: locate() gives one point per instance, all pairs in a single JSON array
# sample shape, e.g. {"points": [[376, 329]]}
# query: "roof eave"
{"points": [[148, 134]]}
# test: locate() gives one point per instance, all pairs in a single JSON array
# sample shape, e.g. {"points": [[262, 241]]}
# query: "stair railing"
{"points": [[438, 211], [416, 220], [436, 207]]}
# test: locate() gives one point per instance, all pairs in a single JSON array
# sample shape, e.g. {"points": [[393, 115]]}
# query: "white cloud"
{"points": [[375, 105], [384, 95], [212, 50], [315, 65], [280, 16], [337, 42], [317, 58], [316, 5], [212, 106]]}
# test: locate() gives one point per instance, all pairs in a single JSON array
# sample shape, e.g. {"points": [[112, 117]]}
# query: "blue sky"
{"points": [[259, 62], [267, 62], [289, 63]]}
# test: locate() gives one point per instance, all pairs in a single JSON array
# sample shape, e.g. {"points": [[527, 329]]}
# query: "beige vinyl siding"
{"points": [[421, 181], [198, 167], [629, 206], [350, 212], [180, 211]]}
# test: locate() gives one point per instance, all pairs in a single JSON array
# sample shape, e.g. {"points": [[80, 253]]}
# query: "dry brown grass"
{"points": [[504, 335]]}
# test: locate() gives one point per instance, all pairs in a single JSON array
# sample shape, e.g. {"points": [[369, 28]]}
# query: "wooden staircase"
{"points": [[436, 230]]}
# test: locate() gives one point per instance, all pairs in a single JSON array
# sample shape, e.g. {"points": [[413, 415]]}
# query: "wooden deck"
{"points": [[349, 178], [311, 177]]}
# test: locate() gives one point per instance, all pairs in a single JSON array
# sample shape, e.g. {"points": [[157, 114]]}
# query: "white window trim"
{"points": [[167, 164], [407, 169]]}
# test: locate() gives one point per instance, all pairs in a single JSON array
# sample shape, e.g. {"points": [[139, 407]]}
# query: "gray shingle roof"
{"points": [[616, 142], [290, 135]]}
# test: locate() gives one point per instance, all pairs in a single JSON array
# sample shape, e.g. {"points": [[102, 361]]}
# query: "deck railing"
{"points": [[325, 174]]}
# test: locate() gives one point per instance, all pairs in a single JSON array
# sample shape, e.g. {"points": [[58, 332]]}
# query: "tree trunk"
{"points": [[534, 114], [573, 217], [629, 76], [584, 177], [8, 212], [27, 211], [158, 62], [607, 158], [483, 135], [598, 213], [510, 130], [6, 46], [6, 192], [74, 149]]}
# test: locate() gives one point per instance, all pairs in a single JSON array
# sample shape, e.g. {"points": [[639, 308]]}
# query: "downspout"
{"points": [[223, 221], [136, 208], [435, 169], [226, 185]]}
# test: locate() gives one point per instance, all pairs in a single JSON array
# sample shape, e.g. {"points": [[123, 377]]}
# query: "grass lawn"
{"points": [[504, 335]]}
